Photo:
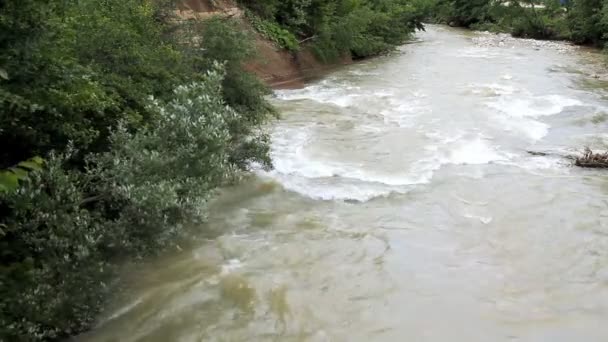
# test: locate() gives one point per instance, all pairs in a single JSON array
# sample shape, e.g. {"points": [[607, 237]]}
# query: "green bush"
{"points": [[582, 21], [273, 32], [52, 275], [81, 66], [138, 124], [63, 229], [11, 178], [587, 21], [464, 12], [335, 28]]}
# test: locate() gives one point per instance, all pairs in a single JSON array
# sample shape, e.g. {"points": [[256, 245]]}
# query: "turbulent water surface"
{"points": [[404, 206]]}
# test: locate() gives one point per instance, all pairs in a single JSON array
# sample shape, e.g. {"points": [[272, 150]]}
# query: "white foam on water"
{"points": [[476, 151], [316, 178], [336, 181], [296, 169], [324, 92], [519, 114], [477, 52], [492, 89], [542, 164], [363, 73], [457, 148], [482, 219], [532, 129], [402, 113], [384, 93], [341, 189], [443, 138], [533, 106], [291, 159], [311, 173], [230, 267]]}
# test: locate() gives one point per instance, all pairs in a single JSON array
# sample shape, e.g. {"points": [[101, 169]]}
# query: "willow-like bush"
{"points": [[65, 229]]}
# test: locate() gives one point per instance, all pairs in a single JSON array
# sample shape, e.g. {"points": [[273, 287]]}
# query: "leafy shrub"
{"points": [[63, 230], [52, 273], [273, 32], [364, 30], [464, 12], [586, 19], [358, 27], [155, 123], [225, 41], [582, 21], [81, 66], [10, 178]]}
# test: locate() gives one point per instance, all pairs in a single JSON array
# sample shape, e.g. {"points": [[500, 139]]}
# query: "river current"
{"points": [[405, 206]]}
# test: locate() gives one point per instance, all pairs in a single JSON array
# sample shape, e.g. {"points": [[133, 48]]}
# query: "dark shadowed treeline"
{"points": [[360, 28], [581, 21]]}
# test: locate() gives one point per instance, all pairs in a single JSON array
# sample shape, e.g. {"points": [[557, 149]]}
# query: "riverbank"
{"points": [[597, 71], [273, 64], [581, 21]]}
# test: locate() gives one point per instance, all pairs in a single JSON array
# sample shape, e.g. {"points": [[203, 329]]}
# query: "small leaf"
{"points": [[3, 74], [8, 181], [30, 165], [20, 173], [37, 160]]}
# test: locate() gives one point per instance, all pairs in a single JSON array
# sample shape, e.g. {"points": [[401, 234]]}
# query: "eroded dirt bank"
{"points": [[277, 67]]}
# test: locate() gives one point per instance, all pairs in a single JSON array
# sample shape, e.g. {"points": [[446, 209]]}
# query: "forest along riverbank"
{"points": [[404, 206]]}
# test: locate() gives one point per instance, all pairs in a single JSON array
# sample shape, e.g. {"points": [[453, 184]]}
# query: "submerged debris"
{"points": [[592, 159], [538, 154]]}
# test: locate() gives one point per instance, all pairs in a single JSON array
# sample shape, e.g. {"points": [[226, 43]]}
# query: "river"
{"points": [[404, 206]]}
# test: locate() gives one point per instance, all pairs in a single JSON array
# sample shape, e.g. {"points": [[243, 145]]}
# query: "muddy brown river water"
{"points": [[404, 206]]}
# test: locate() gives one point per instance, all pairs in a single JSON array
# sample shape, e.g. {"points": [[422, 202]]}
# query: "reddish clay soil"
{"points": [[277, 67]]}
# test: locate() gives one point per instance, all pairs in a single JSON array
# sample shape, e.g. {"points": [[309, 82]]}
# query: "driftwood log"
{"points": [[550, 153], [592, 160], [588, 159]]}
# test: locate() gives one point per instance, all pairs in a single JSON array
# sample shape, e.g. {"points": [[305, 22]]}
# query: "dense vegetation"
{"points": [[137, 124], [582, 21], [117, 123], [360, 28]]}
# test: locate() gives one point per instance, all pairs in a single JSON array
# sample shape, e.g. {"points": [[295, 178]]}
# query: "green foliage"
{"points": [[11, 177], [64, 228], [464, 12], [84, 65], [163, 174], [51, 275], [273, 32], [587, 21], [156, 124], [358, 27], [375, 27], [226, 41], [583, 21]]}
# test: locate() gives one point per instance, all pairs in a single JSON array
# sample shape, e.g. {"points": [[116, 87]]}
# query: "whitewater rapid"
{"points": [[404, 205], [396, 134]]}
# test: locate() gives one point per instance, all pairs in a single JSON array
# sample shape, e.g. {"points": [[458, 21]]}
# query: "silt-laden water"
{"points": [[404, 206]]}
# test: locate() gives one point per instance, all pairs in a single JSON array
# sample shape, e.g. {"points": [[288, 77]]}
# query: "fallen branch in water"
{"points": [[550, 154], [592, 160]]}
